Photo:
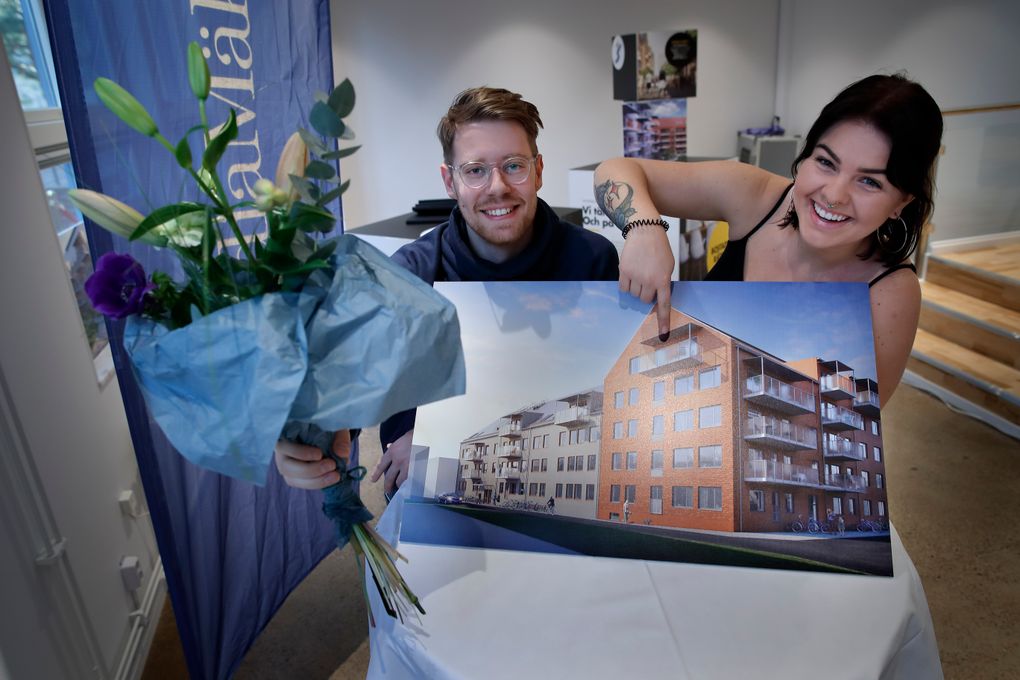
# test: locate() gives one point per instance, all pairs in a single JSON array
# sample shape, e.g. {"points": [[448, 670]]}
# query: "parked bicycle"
{"points": [[811, 525]]}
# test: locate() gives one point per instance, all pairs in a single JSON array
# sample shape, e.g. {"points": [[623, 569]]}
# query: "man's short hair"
{"points": [[487, 103]]}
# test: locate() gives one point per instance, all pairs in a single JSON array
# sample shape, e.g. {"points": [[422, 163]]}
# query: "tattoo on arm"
{"points": [[615, 200]]}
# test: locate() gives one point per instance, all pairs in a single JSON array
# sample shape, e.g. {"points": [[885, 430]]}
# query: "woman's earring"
{"points": [[889, 239]]}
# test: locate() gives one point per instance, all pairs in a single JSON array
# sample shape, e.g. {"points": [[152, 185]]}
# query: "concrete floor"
{"points": [[952, 482]]}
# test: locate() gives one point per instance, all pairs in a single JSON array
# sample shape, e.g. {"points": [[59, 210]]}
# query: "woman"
{"points": [[863, 189]]}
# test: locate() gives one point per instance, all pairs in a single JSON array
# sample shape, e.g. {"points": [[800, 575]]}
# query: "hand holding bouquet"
{"points": [[279, 333]]}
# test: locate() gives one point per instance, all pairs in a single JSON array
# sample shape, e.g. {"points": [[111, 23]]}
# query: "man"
{"points": [[499, 231]]}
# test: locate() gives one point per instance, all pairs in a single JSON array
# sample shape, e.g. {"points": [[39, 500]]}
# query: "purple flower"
{"points": [[118, 286]]}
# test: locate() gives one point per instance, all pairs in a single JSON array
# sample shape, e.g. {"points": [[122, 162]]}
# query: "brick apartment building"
{"points": [[546, 450], [706, 431]]}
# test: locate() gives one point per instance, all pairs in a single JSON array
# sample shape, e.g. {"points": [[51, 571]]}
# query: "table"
{"points": [[399, 228], [503, 614]]}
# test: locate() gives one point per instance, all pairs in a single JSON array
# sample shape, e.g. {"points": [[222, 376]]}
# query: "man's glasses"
{"points": [[515, 170]]}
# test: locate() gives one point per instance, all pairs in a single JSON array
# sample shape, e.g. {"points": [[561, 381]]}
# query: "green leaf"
{"points": [[325, 121], [218, 145], [163, 215], [348, 133], [339, 153], [126, 107], [313, 143], [309, 192], [311, 218], [320, 170], [325, 249], [183, 153], [334, 194], [198, 71], [341, 99]]}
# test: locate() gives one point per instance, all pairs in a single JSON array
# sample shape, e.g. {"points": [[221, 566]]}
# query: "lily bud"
{"points": [[198, 71], [293, 160], [263, 187], [125, 106], [112, 215]]}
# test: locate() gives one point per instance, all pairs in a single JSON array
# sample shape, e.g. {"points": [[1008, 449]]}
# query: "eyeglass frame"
{"points": [[490, 167]]}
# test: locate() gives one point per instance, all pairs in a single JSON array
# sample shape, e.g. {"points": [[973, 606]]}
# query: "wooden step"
{"points": [[980, 326], [979, 379], [968, 272]]}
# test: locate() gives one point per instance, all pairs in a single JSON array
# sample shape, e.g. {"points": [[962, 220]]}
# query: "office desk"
{"points": [[504, 614]]}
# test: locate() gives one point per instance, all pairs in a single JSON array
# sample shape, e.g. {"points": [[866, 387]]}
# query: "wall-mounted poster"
{"points": [[655, 65], [749, 437], [655, 129]]}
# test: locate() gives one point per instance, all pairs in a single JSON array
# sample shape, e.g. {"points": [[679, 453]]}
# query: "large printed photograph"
{"points": [[751, 436]]}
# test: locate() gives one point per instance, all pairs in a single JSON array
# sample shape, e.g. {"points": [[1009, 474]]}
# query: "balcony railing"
{"points": [[509, 451], [837, 386], [839, 418], [841, 448], [670, 358], [780, 433], [867, 402], [776, 394], [572, 415], [508, 473], [782, 473], [511, 429], [843, 480]]}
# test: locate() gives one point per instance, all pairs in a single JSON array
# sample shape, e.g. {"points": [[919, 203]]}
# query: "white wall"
{"points": [[965, 54], [407, 60]]}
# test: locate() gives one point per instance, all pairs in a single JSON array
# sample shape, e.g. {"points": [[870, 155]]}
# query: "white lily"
{"points": [[112, 215]]}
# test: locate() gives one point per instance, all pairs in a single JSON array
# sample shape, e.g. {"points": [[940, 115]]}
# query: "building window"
{"points": [[589, 492], [570, 491], [559, 464], [875, 428], [614, 493], [864, 479], [524, 444], [710, 377], [618, 399], [592, 461], [635, 365], [683, 420], [632, 460], [710, 416], [618, 430], [881, 508], [536, 442], [757, 498], [632, 396], [851, 507], [563, 438], [879, 480], [559, 491], [631, 428], [788, 502], [617, 461], [658, 426], [683, 458], [710, 498], [659, 391], [657, 460], [545, 441], [862, 450], [683, 385], [655, 500], [533, 489], [614, 517], [837, 506], [877, 453], [570, 464], [683, 497], [710, 456], [630, 492], [866, 507], [594, 434], [545, 463]]}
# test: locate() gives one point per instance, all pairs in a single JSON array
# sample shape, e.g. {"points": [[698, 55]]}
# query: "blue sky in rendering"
{"points": [[527, 342]]}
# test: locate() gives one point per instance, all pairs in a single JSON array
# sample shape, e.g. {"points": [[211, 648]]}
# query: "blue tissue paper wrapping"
{"points": [[358, 344]]}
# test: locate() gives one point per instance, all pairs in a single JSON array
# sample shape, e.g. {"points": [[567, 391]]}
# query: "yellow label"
{"points": [[718, 237]]}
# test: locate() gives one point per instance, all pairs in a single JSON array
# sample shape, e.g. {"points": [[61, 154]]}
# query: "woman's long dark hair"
{"points": [[910, 119]]}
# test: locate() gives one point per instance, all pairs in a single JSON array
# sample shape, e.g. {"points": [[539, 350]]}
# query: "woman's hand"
{"points": [[646, 269], [304, 467]]}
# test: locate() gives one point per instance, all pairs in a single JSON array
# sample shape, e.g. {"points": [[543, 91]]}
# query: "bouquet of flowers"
{"points": [[289, 334]]}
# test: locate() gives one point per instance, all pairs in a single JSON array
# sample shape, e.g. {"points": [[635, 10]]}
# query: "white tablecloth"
{"points": [[505, 614]]}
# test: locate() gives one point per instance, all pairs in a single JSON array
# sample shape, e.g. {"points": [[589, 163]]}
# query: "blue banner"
{"points": [[232, 552]]}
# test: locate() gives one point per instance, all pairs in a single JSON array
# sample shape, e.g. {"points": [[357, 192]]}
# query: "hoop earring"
{"points": [[887, 237]]}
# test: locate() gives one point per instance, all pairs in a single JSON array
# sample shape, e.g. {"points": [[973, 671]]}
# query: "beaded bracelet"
{"points": [[647, 221]]}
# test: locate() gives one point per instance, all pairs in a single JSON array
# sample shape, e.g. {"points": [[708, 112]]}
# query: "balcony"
{"points": [[866, 402], [780, 473], [509, 451], [838, 419], [670, 359], [844, 481], [780, 434], [572, 416], [475, 473], [777, 395], [836, 386], [841, 448], [510, 430], [508, 473]]}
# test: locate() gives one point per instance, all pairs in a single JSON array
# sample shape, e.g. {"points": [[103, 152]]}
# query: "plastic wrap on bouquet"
{"points": [[375, 341]]}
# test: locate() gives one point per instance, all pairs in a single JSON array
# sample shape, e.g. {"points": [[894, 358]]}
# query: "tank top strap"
{"points": [[890, 270], [770, 213]]}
